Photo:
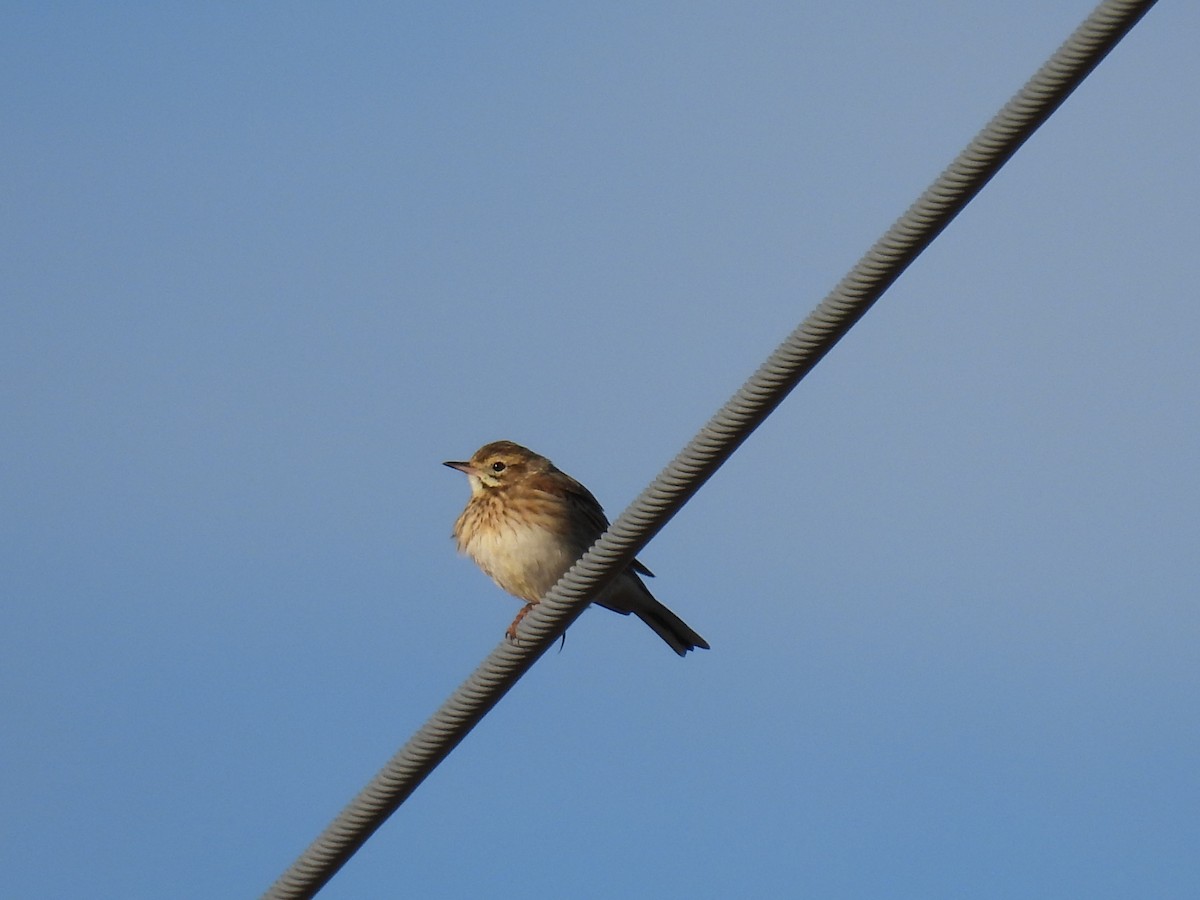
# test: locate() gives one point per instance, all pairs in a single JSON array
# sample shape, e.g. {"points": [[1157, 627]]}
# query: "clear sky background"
{"points": [[265, 267]]}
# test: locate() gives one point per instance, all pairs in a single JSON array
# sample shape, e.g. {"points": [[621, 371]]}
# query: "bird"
{"points": [[528, 522]]}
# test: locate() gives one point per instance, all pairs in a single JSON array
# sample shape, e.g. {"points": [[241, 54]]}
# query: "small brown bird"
{"points": [[527, 523]]}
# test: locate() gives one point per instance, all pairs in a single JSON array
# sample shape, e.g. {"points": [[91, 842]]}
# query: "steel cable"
{"points": [[715, 442]]}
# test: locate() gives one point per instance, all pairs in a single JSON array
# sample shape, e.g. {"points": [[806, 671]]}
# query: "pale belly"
{"points": [[526, 562]]}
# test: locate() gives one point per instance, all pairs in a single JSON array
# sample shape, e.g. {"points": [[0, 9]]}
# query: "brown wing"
{"points": [[587, 516], [590, 518]]}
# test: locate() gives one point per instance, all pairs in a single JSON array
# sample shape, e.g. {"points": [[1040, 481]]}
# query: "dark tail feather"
{"points": [[668, 626]]}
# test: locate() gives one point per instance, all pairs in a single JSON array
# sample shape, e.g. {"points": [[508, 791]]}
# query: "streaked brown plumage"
{"points": [[527, 523]]}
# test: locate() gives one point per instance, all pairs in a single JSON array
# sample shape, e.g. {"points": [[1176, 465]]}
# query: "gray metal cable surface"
{"points": [[716, 441]]}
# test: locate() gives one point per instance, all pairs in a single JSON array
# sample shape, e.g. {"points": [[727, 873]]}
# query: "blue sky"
{"points": [[265, 268]]}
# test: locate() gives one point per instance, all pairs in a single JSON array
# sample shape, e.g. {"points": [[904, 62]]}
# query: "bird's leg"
{"points": [[511, 634]]}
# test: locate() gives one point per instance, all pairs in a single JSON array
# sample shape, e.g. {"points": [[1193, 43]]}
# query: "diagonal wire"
{"points": [[716, 441]]}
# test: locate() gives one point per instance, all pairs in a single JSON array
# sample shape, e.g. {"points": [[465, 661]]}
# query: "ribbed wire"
{"points": [[716, 441]]}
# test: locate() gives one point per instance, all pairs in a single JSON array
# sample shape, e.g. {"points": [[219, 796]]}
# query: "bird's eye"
{"points": [[497, 467]]}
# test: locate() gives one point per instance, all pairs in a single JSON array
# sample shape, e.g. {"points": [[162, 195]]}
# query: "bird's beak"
{"points": [[464, 467]]}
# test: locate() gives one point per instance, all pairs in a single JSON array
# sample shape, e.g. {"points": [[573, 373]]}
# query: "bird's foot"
{"points": [[511, 633]]}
